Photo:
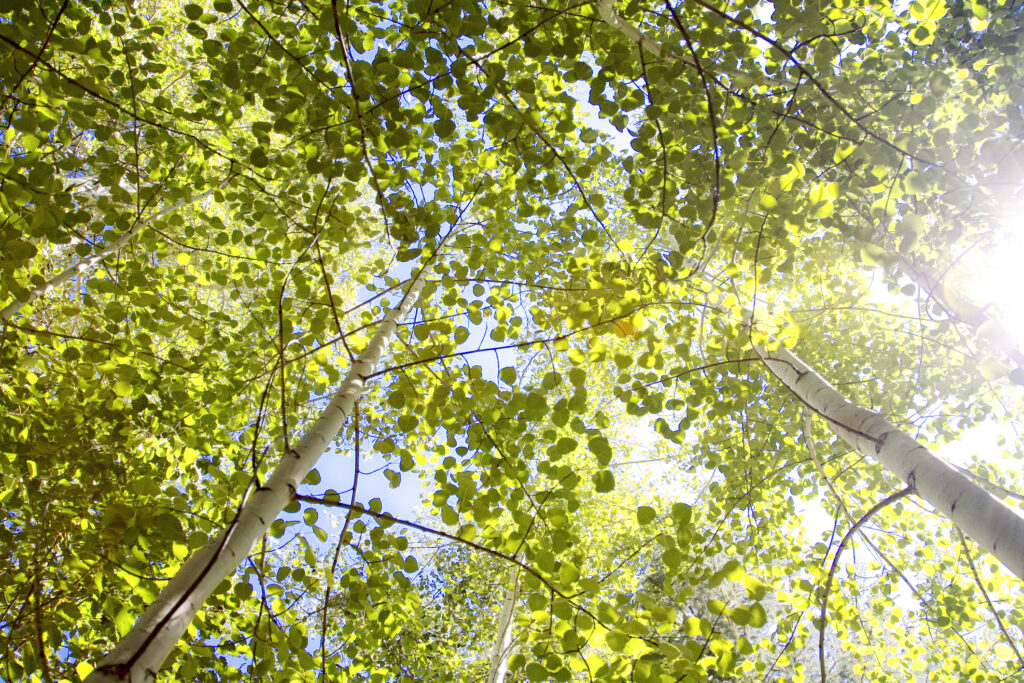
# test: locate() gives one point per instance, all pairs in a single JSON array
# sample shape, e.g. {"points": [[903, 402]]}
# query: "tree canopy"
{"points": [[602, 279]]}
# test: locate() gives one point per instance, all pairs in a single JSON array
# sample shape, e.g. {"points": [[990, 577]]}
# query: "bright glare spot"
{"points": [[763, 11], [995, 276]]}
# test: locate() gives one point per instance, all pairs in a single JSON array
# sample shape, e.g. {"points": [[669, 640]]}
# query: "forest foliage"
{"points": [[206, 211]]}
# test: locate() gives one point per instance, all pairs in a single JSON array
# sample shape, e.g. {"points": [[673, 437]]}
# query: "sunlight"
{"points": [[994, 277]]}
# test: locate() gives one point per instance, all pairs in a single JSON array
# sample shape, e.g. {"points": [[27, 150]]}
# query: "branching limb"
{"points": [[889, 500], [988, 600]]}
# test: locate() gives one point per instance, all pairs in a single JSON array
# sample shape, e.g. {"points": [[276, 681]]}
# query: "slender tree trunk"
{"points": [[140, 654], [992, 525], [90, 188], [503, 636], [90, 262], [606, 10]]}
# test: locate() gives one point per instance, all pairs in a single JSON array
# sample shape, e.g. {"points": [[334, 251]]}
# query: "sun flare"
{"points": [[993, 277]]}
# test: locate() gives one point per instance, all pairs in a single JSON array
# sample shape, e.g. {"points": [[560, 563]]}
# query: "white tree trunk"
{"points": [[140, 654], [606, 10], [991, 524], [503, 636], [90, 188], [92, 261]]}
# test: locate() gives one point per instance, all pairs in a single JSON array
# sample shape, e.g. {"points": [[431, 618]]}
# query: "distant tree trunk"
{"points": [[503, 635], [90, 262], [140, 654], [992, 525]]}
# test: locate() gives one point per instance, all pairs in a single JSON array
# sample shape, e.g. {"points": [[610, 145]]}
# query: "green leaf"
{"points": [[617, 640], [258, 158], [535, 672], [123, 622], [991, 369], [406, 463], [449, 516], [212, 48], [731, 571], [18, 250], [603, 481], [645, 515], [564, 446], [758, 615], [682, 513], [444, 128], [601, 449]]}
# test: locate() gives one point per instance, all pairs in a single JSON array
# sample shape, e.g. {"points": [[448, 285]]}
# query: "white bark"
{"points": [[90, 262], [139, 655], [90, 188], [606, 10], [503, 637], [991, 524]]}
